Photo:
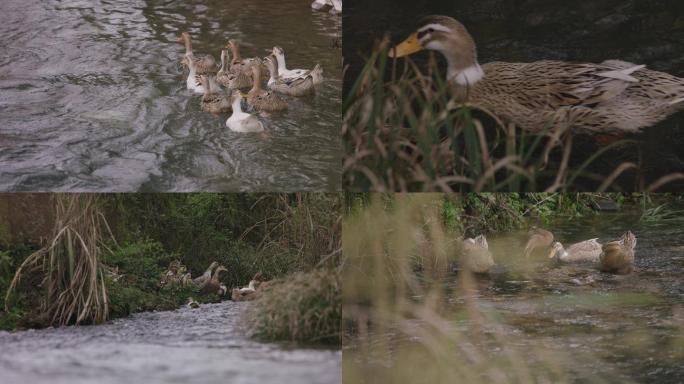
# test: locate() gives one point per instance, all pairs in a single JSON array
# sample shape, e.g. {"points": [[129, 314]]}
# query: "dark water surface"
{"points": [[92, 98], [642, 32], [599, 328], [203, 345]]}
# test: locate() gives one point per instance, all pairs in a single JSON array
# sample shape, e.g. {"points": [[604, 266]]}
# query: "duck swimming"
{"points": [[584, 251], [610, 97], [476, 255], [263, 100], [618, 256], [316, 73], [214, 101], [538, 239], [204, 64], [241, 121], [232, 80], [300, 86]]}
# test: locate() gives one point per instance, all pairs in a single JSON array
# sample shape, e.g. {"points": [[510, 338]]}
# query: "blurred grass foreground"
{"points": [[409, 318], [403, 132]]}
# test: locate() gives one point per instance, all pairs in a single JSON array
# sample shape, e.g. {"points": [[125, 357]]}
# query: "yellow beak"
{"points": [[408, 47]]}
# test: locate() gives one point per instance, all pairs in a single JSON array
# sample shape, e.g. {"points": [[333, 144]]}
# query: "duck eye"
{"points": [[430, 30]]}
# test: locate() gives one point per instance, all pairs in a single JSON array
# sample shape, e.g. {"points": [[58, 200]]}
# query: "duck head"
{"points": [[557, 251], [450, 38]]}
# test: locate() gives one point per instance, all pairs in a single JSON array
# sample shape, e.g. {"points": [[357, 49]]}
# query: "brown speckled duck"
{"points": [[538, 238], [263, 100], [618, 256], [204, 64], [611, 97], [214, 100]]}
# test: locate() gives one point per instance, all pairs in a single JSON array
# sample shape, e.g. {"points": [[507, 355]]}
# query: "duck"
{"points": [[612, 97], [584, 251], [253, 284], [213, 101], [230, 79], [192, 303], [287, 74], [618, 256], [204, 65], [241, 121], [238, 64], [476, 255], [213, 285], [300, 86], [250, 292], [538, 238], [193, 81], [263, 100], [206, 275]]}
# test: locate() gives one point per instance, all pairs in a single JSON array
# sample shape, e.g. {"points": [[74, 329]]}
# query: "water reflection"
{"points": [[92, 98]]}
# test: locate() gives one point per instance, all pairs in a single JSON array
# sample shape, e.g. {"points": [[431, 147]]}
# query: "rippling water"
{"points": [[92, 98], [188, 345]]}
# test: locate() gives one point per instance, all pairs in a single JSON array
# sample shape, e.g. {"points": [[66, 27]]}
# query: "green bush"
{"points": [[305, 307]]}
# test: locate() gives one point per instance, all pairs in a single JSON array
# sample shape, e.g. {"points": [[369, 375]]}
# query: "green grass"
{"points": [[406, 134], [305, 307]]}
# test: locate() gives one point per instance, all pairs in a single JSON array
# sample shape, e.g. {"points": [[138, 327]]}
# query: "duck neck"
{"points": [[235, 50], [273, 69], [464, 75], [281, 62], [223, 60], [256, 76], [188, 44], [237, 107]]}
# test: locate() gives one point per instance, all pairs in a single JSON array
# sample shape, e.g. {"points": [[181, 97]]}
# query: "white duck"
{"points": [[287, 74], [241, 121], [588, 250]]}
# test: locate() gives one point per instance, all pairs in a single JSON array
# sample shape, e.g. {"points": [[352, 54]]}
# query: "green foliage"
{"points": [[143, 261], [305, 307]]}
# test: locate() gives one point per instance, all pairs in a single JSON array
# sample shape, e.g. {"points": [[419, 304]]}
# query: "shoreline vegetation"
{"points": [[402, 132], [409, 317], [86, 258]]}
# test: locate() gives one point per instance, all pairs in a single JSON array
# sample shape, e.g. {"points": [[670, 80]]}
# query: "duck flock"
{"points": [[263, 83], [612, 257]]}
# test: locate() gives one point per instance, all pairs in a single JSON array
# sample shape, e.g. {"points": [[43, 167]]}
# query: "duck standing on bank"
{"points": [[250, 291], [611, 97]]}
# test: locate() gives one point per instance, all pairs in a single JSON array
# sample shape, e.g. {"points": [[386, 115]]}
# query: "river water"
{"points": [[592, 327], [202, 345], [92, 98]]}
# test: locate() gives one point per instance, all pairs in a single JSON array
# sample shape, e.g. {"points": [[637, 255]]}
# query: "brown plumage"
{"points": [[214, 101], [232, 80], [538, 239], [213, 285], [204, 64], [618, 256], [261, 99], [611, 97]]}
